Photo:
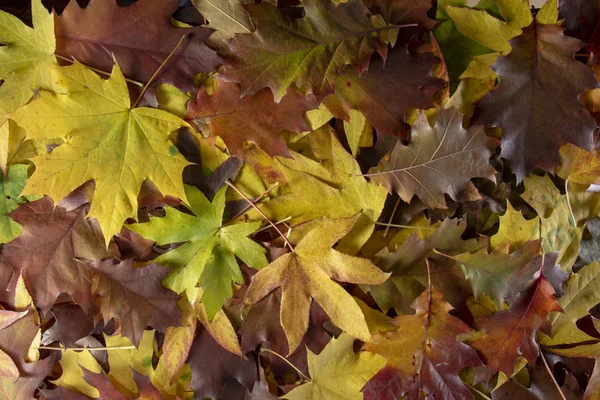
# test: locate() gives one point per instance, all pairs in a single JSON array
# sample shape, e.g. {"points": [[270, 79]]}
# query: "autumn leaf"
{"points": [[423, 354], [139, 36], [579, 166], [208, 256], [48, 263], [433, 164], [514, 229], [330, 186], [337, 373], [387, 90], [307, 52], [261, 117], [11, 187], [511, 333], [545, 111], [399, 11], [27, 61], [226, 17], [307, 273], [103, 130], [581, 20]]}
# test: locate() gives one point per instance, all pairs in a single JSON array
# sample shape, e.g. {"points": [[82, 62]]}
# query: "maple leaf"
{"points": [[11, 187], [135, 296], [409, 270], [514, 229], [558, 230], [116, 146], [337, 373], [433, 164], [26, 57], [329, 186], [47, 262], [511, 333], [208, 256], [139, 36], [71, 323], [499, 274], [387, 90], [307, 274], [308, 52], [544, 111], [579, 166], [400, 11], [261, 117], [423, 354]]}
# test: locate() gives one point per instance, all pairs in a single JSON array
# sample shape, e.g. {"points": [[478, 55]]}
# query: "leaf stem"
{"points": [[424, 228], [258, 199], [569, 202], [287, 361], [87, 348], [262, 214], [562, 395], [99, 71], [147, 85], [387, 228], [276, 223]]}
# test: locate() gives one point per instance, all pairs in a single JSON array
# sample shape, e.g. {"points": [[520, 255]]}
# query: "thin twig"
{"points": [[71, 60], [387, 228], [287, 361], [423, 228], [562, 396], [87, 348], [157, 71], [262, 214], [256, 201], [428, 277], [276, 223]]}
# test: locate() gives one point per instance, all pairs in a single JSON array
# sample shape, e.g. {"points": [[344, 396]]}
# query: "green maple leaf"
{"points": [[208, 254], [306, 52], [11, 187], [337, 373], [105, 140], [27, 59]]}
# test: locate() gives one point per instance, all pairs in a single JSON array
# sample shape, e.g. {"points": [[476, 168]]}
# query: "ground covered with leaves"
{"points": [[317, 199]]}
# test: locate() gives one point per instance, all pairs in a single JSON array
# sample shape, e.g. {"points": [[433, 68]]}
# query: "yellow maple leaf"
{"points": [[105, 140], [307, 274], [27, 59]]}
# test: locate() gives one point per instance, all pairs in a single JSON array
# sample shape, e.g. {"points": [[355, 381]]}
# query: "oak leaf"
{"points": [[308, 273], [423, 354], [116, 146], [308, 52], [582, 20], [439, 160], [337, 373], [514, 229], [256, 117], [208, 254], [135, 296], [140, 37], [544, 111], [511, 333], [46, 253]]}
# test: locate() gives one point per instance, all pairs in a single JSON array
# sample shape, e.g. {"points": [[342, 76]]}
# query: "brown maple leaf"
{"points": [[256, 117], [536, 102], [511, 333], [423, 355], [45, 254], [140, 37]]}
